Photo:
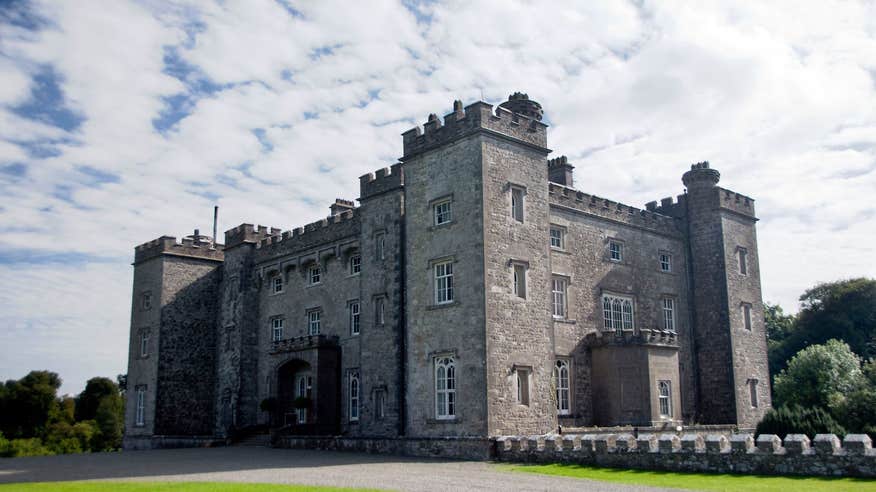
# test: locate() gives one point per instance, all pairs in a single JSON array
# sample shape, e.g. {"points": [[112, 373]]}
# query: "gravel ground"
{"points": [[257, 464]]}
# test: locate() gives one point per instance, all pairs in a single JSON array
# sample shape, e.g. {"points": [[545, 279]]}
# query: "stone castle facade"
{"points": [[473, 293]]}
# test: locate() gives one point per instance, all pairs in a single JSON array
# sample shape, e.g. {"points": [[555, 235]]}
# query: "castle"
{"points": [[473, 293]]}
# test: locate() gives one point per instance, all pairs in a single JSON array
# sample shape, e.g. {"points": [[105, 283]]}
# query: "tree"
{"points": [[778, 324], [29, 404], [96, 389], [110, 423], [819, 376]]}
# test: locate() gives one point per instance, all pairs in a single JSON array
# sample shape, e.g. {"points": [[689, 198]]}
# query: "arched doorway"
{"points": [[295, 394]]}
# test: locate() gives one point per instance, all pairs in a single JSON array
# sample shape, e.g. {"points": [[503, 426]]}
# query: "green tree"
{"points": [[819, 376], [29, 404], [778, 324], [96, 389], [110, 424]]}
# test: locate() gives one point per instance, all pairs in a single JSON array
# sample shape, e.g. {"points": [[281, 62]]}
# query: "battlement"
{"points": [[736, 202], [472, 119], [248, 233], [341, 205], [323, 231], [381, 181], [611, 210], [669, 206], [194, 246]]}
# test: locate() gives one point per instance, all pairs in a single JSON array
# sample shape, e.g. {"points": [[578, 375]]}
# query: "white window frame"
{"points": [[442, 212], [742, 260], [443, 281], [355, 265], [669, 314], [518, 203], [519, 279], [277, 326], [664, 398], [615, 251], [559, 297], [355, 318], [314, 275], [355, 395], [277, 284], [745, 307], [445, 387], [562, 381], [144, 343], [140, 413], [558, 240], [665, 262], [314, 321], [620, 314]]}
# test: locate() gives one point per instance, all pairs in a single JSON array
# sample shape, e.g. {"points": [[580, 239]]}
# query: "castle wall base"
{"points": [[467, 448], [137, 443]]}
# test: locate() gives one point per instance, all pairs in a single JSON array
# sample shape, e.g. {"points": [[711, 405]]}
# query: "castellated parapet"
{"points": [[477, 117], [248, 233], [381, 181], [189, 246], [323, 231]]}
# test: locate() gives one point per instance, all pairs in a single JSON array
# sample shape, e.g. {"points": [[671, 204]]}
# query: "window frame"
{"points": [[616, 320], [275, 281], [664, 399], [518, 203], [355, 264], [314, 274], [445, 408], [445, 216], [612, 243], [355, 310], [140, 407], [522, 374], [742, 260], [146, 300], [314, 321], [518, 279], [753, 397], [380, 246], [144, 343], [277, 328], [747, 320], [380, 404], [560, 239], [665, 266], [442, 282], [562, 294], [668, 308], [354, 396], [563, 393]]}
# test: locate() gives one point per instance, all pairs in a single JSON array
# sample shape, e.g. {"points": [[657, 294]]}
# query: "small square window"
{"points": [[558, 239], [355, 314], [276, 329], [443, 212], [277, 284], [615, 251], [517, 196], [314, 274], [314, 321], [520, 280], [665, 262], [355, 265]]}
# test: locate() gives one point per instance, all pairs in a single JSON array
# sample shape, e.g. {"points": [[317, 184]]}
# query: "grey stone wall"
{"points": [[143, 371]]}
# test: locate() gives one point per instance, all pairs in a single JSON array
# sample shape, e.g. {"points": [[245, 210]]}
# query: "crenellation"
{"points": [[326, 230], [189, 246], [736, 202], [381, 181]]}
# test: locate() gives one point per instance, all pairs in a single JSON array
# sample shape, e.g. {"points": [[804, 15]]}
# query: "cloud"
{"points": [[129, 120]]}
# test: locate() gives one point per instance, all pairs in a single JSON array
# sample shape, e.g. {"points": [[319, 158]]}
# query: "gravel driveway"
{"points": [[256, 464]]}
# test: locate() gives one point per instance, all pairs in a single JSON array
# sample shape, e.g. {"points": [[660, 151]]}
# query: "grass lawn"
{"points": [[165, 487], [700, 481]]}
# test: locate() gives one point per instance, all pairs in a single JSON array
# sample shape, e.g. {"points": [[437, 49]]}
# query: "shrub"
{"points": [[786, 420], [25, 447]]}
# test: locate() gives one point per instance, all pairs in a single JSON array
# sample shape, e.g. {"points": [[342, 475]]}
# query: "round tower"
{"points": [[701, 176], [521, 104]]}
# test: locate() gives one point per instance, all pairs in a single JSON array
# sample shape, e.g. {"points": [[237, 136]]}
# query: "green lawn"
{"points": [[701, 481], [165, 487]]}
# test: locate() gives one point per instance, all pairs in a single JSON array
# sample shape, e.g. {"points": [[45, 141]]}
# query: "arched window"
{"points": [[616, 314], [354, 396], [445, 388], [628, 314], [664, 396], [561, 379], [303, 390]]}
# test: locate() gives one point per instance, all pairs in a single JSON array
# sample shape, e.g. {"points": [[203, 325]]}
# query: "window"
{"points": [[665, 262], [520, 281], [443, 212], [314, 319], [379, 314], [276, 329], [277, 284], [615, 251], [669, 314], [380, 404], [558, 297], [144, 344], [445, 388], [380, 245], [354, 317], [752, 392], [617, 313], [558, 238], [742, 255], [522, 385], [746, 315], [146, 301], [443, 282], [304, 389], [561, 380], [355, 265], [354, 397], [140, 418], [517, 204], [664, 397], [314, 274]]}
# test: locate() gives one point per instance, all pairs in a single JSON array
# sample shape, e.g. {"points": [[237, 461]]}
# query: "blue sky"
{"points": [[121, 121]]}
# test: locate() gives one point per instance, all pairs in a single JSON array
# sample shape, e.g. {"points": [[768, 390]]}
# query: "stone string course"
{"points": [[826, 455]]}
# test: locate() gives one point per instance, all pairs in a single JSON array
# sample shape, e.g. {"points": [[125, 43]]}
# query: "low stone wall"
{"points": [[826, 455], [135, 443], [450, 447]]}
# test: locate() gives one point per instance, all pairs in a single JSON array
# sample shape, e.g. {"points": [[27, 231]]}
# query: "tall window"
{"points": [[517, 204], [617, 313], [445, 388], [558, 296], [140, 418], [443, 212], [522, 386], [354, 396], [355, 265], [146, 301], [558, 238], [380, 245], [314, 320], [144, 343], [380, 404], [752, 392], [742, 255], [303, 390], [315, 274], [277, 284], [561, 380], [277, 329], [443, 282], [665, 262], [615, 251], [669, 314], [379, 314], [355, 314], [520, 281], [664, 396], [746, 315]]}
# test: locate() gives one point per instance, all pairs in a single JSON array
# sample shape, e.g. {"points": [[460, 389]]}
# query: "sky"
{"points": [[121, 121]]}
